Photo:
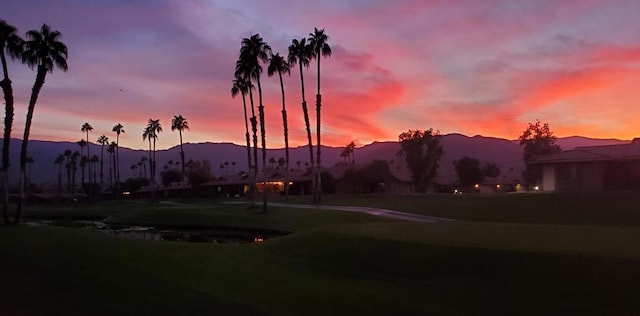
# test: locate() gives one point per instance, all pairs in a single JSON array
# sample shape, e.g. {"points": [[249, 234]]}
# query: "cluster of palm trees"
{"points": [[43, 51], [254, 51], [71, 160]]}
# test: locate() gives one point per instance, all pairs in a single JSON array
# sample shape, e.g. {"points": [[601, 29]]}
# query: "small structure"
{"points": [[592, 168]]}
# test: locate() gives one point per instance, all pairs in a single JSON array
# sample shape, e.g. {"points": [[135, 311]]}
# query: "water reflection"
{"points": [[234, 235]]}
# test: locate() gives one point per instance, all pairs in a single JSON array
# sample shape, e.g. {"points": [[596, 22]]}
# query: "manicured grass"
{"points": [[608, 208], [510, 257]]}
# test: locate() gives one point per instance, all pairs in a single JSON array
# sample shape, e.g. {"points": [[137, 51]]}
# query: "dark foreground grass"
{"points": [[337, 263], [377, 268]]}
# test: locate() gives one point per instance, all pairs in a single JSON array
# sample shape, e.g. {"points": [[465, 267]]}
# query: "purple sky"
{"points": [[472, 67]]}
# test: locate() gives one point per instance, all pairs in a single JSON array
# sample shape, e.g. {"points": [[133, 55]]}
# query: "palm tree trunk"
{"points": [[6, 143], [305, 111], [153, 174], [101, 166], [181, 155], [40, 77], [246, 128], [318, 106], [254, 127], [264, 148], [117, 167], [286, 138]]}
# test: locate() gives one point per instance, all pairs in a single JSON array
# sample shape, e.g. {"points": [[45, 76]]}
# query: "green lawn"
{"points": [[335, 263], [610, 208]]}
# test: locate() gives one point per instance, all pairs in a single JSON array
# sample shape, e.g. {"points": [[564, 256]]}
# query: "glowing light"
{"points": [[258, 239]]}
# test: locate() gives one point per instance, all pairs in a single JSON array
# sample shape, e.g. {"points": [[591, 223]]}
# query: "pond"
{"points": [[218, 234]]}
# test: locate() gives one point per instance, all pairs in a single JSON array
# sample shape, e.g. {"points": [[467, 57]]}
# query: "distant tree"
{"points": [[180, 124], [59, 161], [422, 152], [151, 132], [144, 161], [169, 176], [86, 127], [67, 154], [491, 170], [537, 140], [82, 143], [112, 162], [118, 129], [43, 50], [367, 179], [198, 172], [102, 140], [468, 171], [11, 44], [272, 162]]}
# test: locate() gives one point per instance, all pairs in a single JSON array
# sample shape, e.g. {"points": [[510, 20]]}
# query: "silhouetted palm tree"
{"points": [[300, 53], [241, 86], [112, 162], [144, 164], [252, 51], [102, 140], [44, 51], [318, 42], [86, 127], [82, 143], [278, 64], [151, 132], [180, 123], [118, 129], [11, 44], [59, 161], [67, 154], [243, 72], [92, 162]]}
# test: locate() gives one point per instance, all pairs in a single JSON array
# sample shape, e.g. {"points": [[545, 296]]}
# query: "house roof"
{"points": [[622, 152]]}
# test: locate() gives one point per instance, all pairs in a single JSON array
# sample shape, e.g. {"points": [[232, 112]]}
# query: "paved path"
{"points": [[366, 210]]}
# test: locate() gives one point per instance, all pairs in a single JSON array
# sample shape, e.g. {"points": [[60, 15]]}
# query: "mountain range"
{"points": [[507, 154]]}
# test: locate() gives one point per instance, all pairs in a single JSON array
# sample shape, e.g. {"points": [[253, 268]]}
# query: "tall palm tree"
{"points": [[102, 140], [151, 132], [253, 50], [86, 127], [180, 124], [278, 64], [318, 42], [82, 143], [241, 86], [44, 51], [300, 53], [10, 43], [112, 162], [118, 129], [243, 72], [59, 161]]}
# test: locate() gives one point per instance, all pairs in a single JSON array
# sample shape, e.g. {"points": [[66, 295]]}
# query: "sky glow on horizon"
{"points": [[470, 67]]}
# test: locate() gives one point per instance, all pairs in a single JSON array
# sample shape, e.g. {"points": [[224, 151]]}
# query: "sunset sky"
{"points": [[470, 67]]}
